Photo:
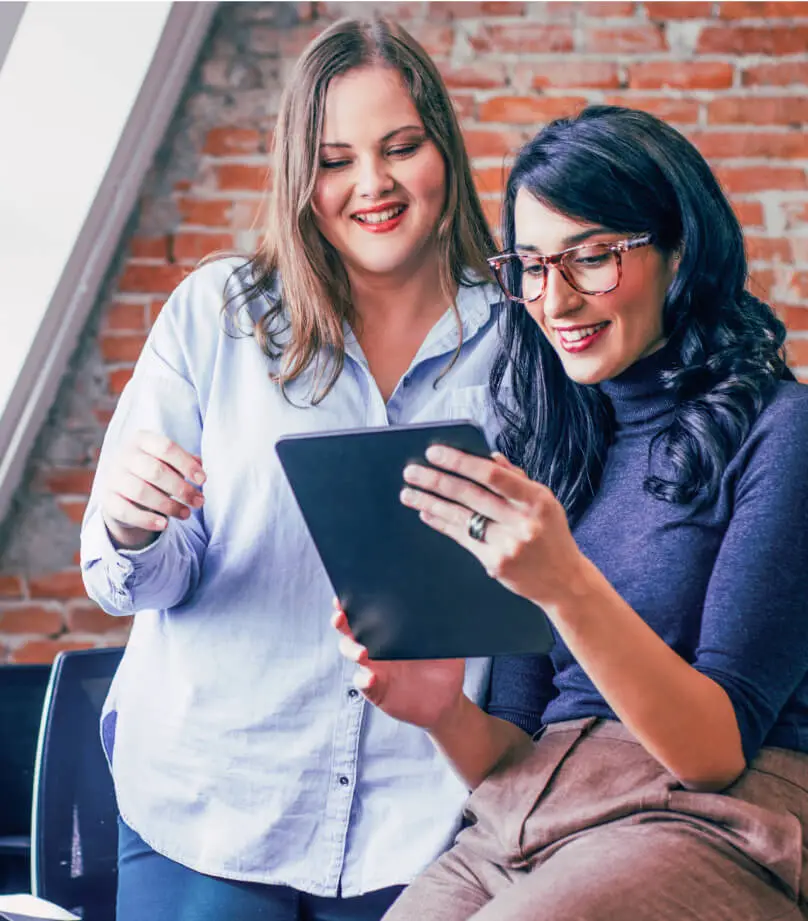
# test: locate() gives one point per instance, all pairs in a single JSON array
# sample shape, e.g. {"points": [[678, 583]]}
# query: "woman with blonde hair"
{"points": [[251, 778]]}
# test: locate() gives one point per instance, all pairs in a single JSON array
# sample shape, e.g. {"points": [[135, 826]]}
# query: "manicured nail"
{"points": [[436, 454], [199, 477]]}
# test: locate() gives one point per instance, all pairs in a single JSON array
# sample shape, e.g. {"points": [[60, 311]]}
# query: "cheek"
{"points": [[327, 199], [427, 179]]}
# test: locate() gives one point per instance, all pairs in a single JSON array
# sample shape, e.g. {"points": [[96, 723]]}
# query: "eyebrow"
{"points": [[573, 240], [387, 136]]}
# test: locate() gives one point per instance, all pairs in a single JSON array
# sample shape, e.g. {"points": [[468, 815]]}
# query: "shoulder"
{"points": [[777, 443]]}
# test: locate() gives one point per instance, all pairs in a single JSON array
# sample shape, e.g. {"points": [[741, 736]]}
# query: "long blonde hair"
{"points": [[304, 326]]}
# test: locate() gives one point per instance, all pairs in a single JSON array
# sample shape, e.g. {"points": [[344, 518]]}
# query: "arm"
{"points": [[682, 714], [162, 564]]}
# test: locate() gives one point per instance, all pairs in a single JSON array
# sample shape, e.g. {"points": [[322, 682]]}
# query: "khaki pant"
{"points": [[587, 826]]}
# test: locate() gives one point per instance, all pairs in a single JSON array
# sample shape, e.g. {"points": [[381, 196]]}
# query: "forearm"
{"points": [[683, 718], [475, 742]]}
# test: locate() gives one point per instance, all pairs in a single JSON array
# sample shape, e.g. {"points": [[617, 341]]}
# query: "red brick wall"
{"points": [[732, 76]]}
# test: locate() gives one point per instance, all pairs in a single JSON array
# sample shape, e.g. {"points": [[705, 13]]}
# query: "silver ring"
{"points": [[478, 525]]}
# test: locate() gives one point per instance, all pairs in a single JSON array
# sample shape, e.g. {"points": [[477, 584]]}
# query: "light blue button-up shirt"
{"points": [[239, 747]]}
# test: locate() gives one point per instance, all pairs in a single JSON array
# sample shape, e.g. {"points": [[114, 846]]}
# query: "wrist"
{"points": [[128, 538], [451, 721]]}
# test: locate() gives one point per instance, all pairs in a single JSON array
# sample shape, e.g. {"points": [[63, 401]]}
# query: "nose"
{"points": [[559, 298], [374, 177]]}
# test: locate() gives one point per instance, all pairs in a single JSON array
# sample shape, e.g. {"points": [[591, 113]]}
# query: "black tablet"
{"points": [[409, 592]]}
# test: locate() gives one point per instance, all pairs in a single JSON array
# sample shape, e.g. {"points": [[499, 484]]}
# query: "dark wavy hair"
{"points": [[631, 172]]}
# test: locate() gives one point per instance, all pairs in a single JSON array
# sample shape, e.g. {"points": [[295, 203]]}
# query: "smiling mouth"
{"points": [[581, 333], [380, 217]]}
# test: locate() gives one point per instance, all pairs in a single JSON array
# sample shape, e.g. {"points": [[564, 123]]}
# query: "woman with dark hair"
{"points": [[654, 765]]}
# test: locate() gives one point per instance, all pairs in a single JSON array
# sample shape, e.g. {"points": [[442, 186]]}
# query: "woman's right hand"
{"points": [[147, 484], [423, 692]]}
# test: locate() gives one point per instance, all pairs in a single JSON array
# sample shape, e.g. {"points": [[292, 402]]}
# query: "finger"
{"points": [[120, 509], [339, 621], [353, 651], [493, 476], [157, 473], [498, 458], [145, 496], [460, 534], [364, 680], [462, 493], [188, 465], [449, 512]]}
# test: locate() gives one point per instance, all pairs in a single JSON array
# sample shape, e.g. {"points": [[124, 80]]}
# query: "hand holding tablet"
{"points": [[409, 591]]}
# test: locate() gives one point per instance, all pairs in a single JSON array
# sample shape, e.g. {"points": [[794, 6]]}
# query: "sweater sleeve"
{"points": [[754, 641], [520, 689]]}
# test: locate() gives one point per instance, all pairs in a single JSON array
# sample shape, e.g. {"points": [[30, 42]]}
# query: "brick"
{"points": [[799, 249], [74, 509], [45, 651], [465, 105], [191, 247], [561, 74], [796, 214], [436, 40], [103, 417], [150, 279], [608, 9], [490, 181], [796, 318], [125, 317], [776, 73], [62, 585], [213, 212], [767, 249], [629, 40], [775, 9], [759, 110], [154, 310], [497, 143], [115, 349], [761, 178], [676, 111], [761, 283], [798, 286], [441, 9], [778, 145], [118, 379], [764, 39], [797, 351], [225, 141], [685, 75], [489, 76], [11, 587], [660, 10], [89, 618], [524, 110], [243, 177], [148, 248], [492, 208], [749, 213], [522, 37], [66, 481], [32, 619]]}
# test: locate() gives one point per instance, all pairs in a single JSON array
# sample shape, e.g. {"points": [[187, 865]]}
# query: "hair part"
{"points": [[633, 173], [303, 326]]}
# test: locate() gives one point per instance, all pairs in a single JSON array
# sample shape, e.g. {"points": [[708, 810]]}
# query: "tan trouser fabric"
{"points": [[587, 826]]}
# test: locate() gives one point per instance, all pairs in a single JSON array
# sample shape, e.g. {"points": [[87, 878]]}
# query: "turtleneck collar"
{"points": [[638, 395]]}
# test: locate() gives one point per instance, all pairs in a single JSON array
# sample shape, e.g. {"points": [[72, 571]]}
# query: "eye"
{"points": [[532, 268], [333, 164], [403, 150], [591, 260]]}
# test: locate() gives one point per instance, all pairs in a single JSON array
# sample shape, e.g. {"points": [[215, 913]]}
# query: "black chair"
{"points": [[22, 691], [74, 824]]}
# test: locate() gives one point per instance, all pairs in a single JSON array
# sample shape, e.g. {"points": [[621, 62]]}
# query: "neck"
{"points": [[401, 298]]}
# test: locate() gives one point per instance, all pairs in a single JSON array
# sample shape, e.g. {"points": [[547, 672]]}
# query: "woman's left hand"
{"points": [[527, 542]]}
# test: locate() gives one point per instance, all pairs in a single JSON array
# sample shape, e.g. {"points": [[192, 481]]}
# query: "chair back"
{"points": [[22, 691], [74, 823]]}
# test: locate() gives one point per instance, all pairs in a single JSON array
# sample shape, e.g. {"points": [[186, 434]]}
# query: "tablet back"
{"points": [[409, 592]]}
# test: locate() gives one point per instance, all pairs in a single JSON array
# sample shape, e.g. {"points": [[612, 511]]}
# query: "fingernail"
{"points": [[435, 454], [407, 495], [199, 477], [160, 523]]}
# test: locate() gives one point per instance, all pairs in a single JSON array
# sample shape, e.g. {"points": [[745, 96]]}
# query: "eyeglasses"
{"points": [[593, 268]]}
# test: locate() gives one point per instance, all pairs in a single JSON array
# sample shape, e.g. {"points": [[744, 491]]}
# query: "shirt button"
{"points": [[344, 781], [353, 693]]}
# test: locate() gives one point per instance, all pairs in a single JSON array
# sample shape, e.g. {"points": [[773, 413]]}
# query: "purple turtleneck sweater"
{"points": [[725, 586]]}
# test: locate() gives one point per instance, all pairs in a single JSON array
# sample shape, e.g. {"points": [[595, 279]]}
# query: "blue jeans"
{"points": [[153, 888]]}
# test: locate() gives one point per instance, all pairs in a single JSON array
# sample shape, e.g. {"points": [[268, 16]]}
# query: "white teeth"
{"points": [[379, 217], [575, 335]]}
